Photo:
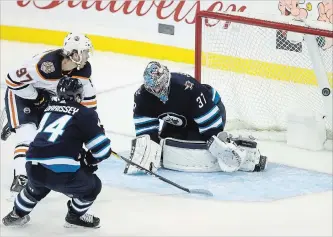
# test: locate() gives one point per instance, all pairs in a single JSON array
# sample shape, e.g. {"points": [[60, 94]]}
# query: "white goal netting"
{"points": [[264, 74]]}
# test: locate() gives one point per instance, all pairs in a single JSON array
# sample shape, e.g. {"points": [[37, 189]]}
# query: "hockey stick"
{"points": [[2, 117], [118, 87], [193, 191]]}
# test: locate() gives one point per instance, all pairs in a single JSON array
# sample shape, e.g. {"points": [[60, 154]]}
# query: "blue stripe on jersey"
{"points": [[104, 153], [57, 164], [103, 150], [215, 124], [216, 96], [206, 117], [96, 141], [145, 125], [62, 168], [143, 120], [146, 130], [212, 119]]}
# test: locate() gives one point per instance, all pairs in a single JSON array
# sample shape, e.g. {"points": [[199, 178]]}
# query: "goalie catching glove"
{"points": [[254, 161], [145, 153], [228, 156], [235, 154]]}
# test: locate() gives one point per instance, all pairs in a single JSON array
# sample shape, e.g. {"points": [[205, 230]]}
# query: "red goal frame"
{"points": [[247, 21]]}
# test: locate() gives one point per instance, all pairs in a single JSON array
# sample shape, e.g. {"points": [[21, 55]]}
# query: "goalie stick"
{"points": [[192, 191]]}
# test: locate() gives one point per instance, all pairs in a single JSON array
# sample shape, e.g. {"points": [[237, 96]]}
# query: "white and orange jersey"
{"points": [[43, 71]]}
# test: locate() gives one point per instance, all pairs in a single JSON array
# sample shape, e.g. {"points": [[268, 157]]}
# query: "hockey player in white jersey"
{"points": [[192, 137], [30, 87]]}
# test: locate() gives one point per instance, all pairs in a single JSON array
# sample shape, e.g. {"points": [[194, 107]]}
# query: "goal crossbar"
{"points": [[241, 18]]}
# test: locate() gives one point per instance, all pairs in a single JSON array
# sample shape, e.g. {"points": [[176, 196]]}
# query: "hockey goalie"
{"points": [[179, 125]]}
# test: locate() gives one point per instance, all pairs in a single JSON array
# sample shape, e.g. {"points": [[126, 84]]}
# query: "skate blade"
{"points": [[68, 225], [21, 225], [17, 223]]}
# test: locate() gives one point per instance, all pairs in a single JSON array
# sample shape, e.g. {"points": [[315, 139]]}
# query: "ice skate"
{"points": [[12, 219], [86, 220], [19, 182]]}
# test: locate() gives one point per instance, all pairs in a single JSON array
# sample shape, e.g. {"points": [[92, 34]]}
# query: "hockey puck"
{"points": [[326, 91]]}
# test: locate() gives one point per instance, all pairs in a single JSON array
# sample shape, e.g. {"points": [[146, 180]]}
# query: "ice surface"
{"points": [[290, 201]]}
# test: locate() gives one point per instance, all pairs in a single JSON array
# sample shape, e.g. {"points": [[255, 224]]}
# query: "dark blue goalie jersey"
{"points": [[190, 106], [62, 132]]}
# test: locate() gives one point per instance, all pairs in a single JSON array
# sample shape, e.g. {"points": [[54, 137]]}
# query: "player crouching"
{"points": [[56, 160], [191, 138]]}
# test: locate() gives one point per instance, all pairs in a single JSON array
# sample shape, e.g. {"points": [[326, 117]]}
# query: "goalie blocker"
{"points": [[220, 153]]}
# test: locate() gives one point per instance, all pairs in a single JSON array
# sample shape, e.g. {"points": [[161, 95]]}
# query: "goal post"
{"points": [[265, 67]]}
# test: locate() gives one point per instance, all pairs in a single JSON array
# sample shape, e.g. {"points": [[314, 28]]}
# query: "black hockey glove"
{"points": [[42, 100], [90, 168], [6, 131], [87, 161]]}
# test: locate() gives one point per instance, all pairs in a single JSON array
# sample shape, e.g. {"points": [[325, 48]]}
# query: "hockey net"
{"points": [[265, 68]]}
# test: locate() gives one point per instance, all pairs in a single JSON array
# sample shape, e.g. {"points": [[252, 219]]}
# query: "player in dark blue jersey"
{"points": [[56, 160], [30, 86], [190, 110], [194, 117]]}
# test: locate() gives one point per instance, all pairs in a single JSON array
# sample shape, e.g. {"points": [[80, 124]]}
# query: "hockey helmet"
{"points": [[79, 43], [70, 89], [157, 80]]}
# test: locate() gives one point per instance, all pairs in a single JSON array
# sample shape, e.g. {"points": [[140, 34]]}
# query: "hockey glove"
{"points": [[42, 100], [90, 168], [6, 131], [253, 161], [87, 161]]}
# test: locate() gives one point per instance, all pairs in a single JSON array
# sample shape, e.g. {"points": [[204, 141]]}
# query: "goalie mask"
{"points": [[79, 44], [157, 80]]}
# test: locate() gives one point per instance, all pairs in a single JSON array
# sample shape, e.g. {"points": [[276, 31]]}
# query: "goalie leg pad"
{"points": [[145, 153], [188, 156]]}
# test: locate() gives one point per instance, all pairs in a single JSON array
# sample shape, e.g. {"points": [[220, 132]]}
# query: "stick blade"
{"points": [[201, 192]]}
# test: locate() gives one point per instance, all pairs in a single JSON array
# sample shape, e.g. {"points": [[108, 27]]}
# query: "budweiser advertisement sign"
{"points": [[178, 11]]}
